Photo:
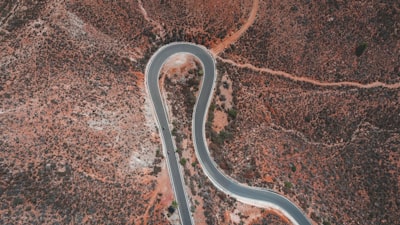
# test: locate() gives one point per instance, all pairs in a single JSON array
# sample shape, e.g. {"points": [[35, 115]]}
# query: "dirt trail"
{"points": [[151, 21], [303, 137], [231, 39], [164, 188], [151, 201], [309, 80]]}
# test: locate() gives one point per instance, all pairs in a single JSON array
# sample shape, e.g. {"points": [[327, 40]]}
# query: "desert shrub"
{"points": [[183, 161], [360, 49], [232, 113], [288, 185]]}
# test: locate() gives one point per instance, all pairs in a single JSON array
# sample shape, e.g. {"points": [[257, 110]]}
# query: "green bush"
{"points": [[293, 167], [174, 132], [211, 113], [183, 161], [232, 113], [288, 185], [224, 135], [220, 137], [174, 204], [360, 49], [17, 201]]}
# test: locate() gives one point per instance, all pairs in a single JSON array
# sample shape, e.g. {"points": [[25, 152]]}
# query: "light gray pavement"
{"points": [[246, 194]]}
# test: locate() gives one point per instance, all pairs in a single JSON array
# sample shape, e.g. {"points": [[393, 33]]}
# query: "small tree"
{"points": [[174, 131], [174, 204], [288, 185], [293, 167], [158, 153], [360, 49], [183, 161], [232, 113]]}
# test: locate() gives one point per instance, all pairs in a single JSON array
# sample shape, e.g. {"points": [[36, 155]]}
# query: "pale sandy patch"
{"points": [[220, 120], [164, 189], [251, 211], [235, 217], [178, 64], [221, 117], [227, 92]]}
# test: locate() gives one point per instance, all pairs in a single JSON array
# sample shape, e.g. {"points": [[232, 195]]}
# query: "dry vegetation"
{"points": [[320, 39], [210, 206], [202, 22], [324, 148], [78, 142], [332, 150]]}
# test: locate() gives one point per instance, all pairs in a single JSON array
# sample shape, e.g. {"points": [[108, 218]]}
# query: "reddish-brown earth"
{"points": [[78, 144], [180, 82], [299, 108], [231, 38], [78, 139], [320, 121]]}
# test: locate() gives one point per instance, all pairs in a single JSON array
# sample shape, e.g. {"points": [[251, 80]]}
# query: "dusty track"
{"points": [[151, 21], [309, 80], [231, 39], [234, 37]]}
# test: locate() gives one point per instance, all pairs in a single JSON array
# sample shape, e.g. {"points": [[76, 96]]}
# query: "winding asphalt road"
{"points": [[246, 194]]}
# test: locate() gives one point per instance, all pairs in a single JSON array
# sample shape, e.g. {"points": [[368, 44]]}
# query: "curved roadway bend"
{"points": [[254, 196]]}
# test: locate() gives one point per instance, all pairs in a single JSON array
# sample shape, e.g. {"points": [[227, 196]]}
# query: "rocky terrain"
{"points": [[313, 127], [306, 104], [78, 139], [181, 79]]}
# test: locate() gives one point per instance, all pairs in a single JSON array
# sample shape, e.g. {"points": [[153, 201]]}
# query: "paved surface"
{"points": [[243, 193]]}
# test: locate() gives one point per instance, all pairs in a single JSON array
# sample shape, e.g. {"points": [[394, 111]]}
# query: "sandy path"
{"points": [[231, 39], [309, 80], [151, 21], [164, 188]]}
